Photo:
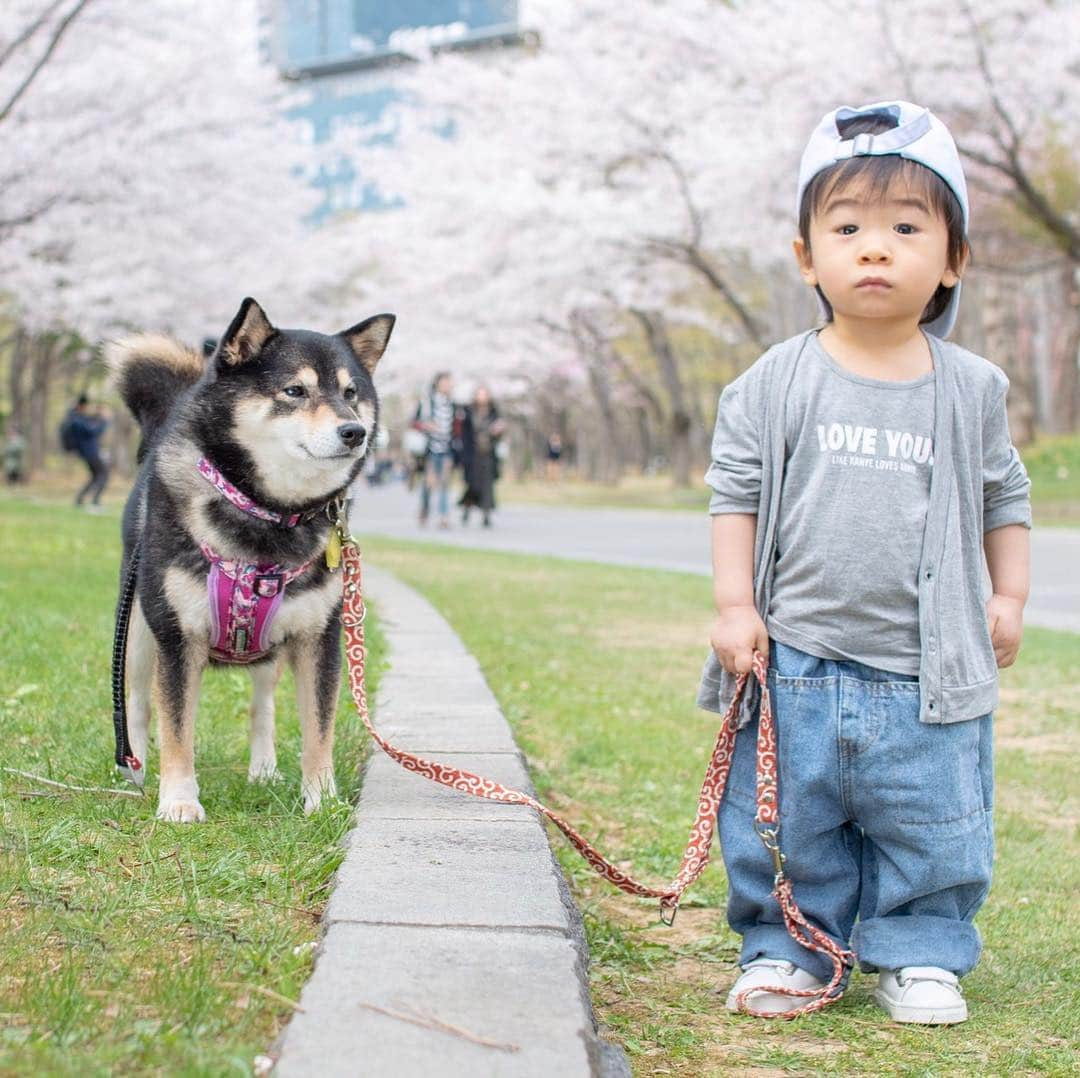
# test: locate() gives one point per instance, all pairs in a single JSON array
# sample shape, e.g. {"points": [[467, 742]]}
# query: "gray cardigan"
{"points": [[978, 483]]}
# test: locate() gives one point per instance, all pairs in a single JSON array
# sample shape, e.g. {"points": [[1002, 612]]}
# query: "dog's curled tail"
{"points": [[150, 371]]}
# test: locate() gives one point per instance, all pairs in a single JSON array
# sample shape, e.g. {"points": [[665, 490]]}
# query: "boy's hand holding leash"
{"points": [[736, 634]]}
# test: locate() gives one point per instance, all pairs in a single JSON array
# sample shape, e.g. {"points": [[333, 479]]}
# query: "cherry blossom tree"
{"points": [[147, 173], [643, 158], [149, 179]]}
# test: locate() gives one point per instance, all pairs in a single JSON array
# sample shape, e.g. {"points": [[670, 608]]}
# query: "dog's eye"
{"points": [[296, 392], [350, 393]]}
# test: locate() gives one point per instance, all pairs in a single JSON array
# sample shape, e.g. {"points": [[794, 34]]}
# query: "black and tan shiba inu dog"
{"points": [[244, 455]]}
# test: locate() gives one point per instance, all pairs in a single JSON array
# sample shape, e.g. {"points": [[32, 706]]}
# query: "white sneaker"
{"points": [[927, 995], [771, 973]]}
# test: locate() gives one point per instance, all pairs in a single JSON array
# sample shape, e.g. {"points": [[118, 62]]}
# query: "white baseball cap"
{"points": [[919, 136]]}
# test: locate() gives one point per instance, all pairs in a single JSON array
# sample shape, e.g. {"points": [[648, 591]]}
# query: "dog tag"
{"points": [[333, 550]]}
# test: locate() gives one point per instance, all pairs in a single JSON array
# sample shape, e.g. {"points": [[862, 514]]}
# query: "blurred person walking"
{"points": [[553, 462], [15, 457], [435, 417], [80, 433], [481, 429]]}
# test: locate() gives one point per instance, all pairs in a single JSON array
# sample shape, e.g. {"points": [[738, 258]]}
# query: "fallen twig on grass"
{"points": [[67, 786], [429, 1021], [313, 914]]}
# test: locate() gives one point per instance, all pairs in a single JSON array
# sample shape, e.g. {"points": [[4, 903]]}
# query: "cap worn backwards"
{"points": [[919, 136]]}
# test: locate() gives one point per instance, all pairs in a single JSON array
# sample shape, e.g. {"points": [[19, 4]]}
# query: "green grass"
{"points": [[1054, 467], [631, 492], [128, 945], [596, 669]]}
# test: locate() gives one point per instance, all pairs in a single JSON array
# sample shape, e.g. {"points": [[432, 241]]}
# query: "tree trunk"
{"points": [[609, 463], [1001, 332], [660, 343], [20, 364], [1065, 357], [42, 355], [608, 455], [644, 439]]}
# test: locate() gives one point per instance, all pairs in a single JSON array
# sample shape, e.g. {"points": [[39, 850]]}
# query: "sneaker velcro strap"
{"points": [[926, 973]]}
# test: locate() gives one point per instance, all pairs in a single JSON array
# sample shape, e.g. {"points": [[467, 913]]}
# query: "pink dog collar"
{"points": [[242, 501]]}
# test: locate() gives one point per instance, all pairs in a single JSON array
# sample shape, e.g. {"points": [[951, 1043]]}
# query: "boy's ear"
{"points": [[245, 337], [951, 277], [368, 339], [806, 263]]}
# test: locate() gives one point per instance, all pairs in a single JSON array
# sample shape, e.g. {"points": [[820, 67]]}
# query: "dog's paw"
{"points": [[315, 794], [178, 811], [264, 772]]}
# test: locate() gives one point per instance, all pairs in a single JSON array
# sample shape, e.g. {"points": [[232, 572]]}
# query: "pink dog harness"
{"points": [[245, 598]]}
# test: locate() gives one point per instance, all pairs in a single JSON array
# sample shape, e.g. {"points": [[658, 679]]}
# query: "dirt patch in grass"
{"points": [[1039, 721], [1024, 801]]}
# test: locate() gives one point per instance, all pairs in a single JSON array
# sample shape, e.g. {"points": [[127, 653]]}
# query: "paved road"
{"points": [[673, 540]]}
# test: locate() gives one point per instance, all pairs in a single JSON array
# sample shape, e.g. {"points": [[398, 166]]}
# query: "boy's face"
{"points": [[876, 258]]}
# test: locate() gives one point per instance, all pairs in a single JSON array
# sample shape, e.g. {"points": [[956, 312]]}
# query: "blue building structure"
{"points": [[346, 50]]}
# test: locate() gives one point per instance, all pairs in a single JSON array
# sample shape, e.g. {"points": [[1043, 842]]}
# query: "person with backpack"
{"points": [[80, 433], [15, 457]]}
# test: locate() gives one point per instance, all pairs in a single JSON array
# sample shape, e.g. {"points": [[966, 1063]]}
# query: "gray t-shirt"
{"points": [[852, 514]]}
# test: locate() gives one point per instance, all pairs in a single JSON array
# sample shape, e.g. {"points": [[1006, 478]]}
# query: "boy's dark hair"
{"points": [[880, 171], [82, 401]]}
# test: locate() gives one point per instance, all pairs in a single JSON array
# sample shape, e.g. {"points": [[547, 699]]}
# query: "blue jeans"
{"points": [[883, 819], [437, 476]]}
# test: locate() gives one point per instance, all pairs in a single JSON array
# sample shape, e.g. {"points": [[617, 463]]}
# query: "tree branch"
{"points": [[36, 70], [1031, 199], [697, 260], [30, 215], [983, 61], [31, 29], [602, 344]]}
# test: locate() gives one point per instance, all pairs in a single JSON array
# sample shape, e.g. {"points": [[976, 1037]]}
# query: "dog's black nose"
{"points": [[352, 434]]}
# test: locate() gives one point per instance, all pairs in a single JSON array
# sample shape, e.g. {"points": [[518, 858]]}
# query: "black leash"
{"points": [[128, 763]]}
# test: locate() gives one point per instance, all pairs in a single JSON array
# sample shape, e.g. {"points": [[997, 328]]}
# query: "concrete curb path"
{"points": [[446, 907]]}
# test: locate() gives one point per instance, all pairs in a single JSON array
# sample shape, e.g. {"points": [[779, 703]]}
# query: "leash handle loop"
{"points": [[129, 764]]}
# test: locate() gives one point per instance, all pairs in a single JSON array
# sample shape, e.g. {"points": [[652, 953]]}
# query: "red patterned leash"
{"points": [[696, 854]]}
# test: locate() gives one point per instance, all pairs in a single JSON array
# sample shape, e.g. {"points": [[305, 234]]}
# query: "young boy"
{"points": [[860, 473]]}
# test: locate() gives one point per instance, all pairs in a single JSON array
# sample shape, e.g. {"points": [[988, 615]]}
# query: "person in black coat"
{"points": [[85, 429], [481, 429]]}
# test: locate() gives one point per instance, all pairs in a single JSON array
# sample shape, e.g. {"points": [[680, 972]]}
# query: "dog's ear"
{"points": [[250, 330], [368, 339]]}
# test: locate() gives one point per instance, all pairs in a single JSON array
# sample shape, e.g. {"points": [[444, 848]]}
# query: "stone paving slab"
{"points": [[446, 908], [419, 666], [513, 988], [464, 688], [400, 795], [453, 728], [425, 644], [442, 872]]}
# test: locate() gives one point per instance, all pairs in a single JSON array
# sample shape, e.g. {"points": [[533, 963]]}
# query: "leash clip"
{"points": [[770, 839], [340, 536]]}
